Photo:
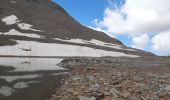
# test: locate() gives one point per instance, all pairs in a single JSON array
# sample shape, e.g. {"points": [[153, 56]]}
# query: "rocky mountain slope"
{"points": [[43, 28]]}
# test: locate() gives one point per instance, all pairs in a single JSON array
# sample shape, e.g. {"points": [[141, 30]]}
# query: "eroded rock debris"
{"points": [[104, 79]]}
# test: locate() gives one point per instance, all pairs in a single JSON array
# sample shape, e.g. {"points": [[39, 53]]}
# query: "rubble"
{"points": [[107, 82]]}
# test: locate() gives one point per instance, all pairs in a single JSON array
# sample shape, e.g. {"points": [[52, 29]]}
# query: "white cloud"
{"points": [[140, 42], [161, 43], [102, 30], [136, 17]]}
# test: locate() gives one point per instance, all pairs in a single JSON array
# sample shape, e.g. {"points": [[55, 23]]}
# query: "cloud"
{"points": [[161, 43], [136, 17], [99, 28], [139, 42]]}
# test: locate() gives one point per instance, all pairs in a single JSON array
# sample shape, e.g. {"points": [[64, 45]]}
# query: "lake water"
{"points": [[29, 78]]}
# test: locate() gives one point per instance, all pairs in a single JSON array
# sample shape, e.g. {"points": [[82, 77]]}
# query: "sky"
{"points": [[141, 24]]}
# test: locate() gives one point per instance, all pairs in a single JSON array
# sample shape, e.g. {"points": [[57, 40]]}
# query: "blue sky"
{"points": [[130, 22], [84, 11]]}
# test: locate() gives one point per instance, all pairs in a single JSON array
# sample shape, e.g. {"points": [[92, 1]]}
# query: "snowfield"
{"points": [[32, 48], [54, 49]]}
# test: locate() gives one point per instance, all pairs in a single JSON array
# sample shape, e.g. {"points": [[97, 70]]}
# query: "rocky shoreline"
{"points": [[115, 79]]}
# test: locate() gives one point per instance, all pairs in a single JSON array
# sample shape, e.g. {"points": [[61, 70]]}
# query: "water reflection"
{"points": [[6, 91], [31, 64], [19, 73], [13, 78]]}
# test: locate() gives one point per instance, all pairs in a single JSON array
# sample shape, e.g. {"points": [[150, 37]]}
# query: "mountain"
{"points": [[43, 28]]}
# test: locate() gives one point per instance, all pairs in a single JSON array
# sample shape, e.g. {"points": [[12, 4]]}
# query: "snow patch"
{"points": [[73, 40], [12, 1], [110, 45], [26, 26], [17, 33], [54, 49], [131, 49], [10, 20], [95, 42], [61, 73], [101, 43]]}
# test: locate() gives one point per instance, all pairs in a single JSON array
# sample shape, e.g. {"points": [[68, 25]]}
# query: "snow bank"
{"points": [[17, 33], [26, 26], [73, 40], [96, 42], [10, 20], [13, 2], [53, 49], [105, 44]]}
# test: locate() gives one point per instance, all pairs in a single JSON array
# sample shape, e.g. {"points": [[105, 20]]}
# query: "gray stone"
{"points": [[138, 78], [95, 87], [165, 76], [76, 78], [114, 92], [167, 88], [86, 98], [90, 77]]}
